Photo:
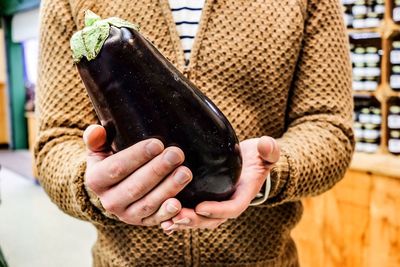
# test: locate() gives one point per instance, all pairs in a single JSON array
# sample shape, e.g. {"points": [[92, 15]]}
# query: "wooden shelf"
{"points": [[378, 163], [364, 93], [362, 30], [4, 140]]}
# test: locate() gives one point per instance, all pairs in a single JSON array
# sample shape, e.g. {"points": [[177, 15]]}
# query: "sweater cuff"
{"points": [[263, 195], [95, 200], [85, 200], [279, 177]]}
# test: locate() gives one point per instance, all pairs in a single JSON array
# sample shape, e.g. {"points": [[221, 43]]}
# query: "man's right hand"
{"points": [[138, 184]]}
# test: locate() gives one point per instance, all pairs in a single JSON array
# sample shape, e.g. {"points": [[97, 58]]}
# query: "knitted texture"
{"points": [[277, 68]]}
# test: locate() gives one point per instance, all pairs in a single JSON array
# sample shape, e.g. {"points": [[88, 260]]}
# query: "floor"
{"points": [[33, 231]]}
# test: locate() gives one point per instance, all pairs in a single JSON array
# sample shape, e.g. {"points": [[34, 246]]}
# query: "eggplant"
{"points": [[138, 94]]}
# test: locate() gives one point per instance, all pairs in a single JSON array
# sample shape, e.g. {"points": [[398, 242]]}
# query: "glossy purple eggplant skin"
{"points": [[138, 94]]}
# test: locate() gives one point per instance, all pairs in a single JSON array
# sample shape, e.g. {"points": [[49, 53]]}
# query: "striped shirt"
{"points": [[187, 14]]}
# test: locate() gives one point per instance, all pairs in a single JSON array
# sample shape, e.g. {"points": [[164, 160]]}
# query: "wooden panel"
{"points": [[380, 164], [2, 58], [31, 120], [384, 230], [3, 116], [356, 224], [3, 99]]}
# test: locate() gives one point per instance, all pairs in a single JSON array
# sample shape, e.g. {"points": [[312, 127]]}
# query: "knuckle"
{"points": [[91, 182], [146, 209], [149, 222], [135, 190], [234, 214], [124, 218], [158, 170], [110, 206], [116, 170]]}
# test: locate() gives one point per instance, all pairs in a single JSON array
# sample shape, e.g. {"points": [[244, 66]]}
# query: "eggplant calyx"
{"points": [[89, 41]]}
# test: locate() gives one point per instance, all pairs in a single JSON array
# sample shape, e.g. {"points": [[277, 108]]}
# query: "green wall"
{"points": [[16, 89], [10, 7], [16, 70]]}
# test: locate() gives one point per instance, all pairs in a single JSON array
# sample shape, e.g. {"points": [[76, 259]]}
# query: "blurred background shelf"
{"points": [[382, 164], [357, 223]]}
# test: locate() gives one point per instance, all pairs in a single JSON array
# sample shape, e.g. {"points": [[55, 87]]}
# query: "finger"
{"points": [[168, 209], [118, 166], [95, 137], [188, 219], [228, 209], [166, 224], [168, 188], [268, 149], [117, 199]]}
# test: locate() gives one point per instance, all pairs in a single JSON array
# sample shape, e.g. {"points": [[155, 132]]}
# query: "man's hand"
{"points": [[138, 184], [259, 154]]}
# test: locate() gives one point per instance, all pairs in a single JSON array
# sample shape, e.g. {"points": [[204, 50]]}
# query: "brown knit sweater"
{"points": [[277, 68]]}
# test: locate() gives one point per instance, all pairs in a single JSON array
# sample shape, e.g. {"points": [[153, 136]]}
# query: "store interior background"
{"points": [[355, 224]]}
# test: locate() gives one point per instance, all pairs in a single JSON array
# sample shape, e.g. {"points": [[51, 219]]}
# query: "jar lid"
{"points": [[394, 109]]}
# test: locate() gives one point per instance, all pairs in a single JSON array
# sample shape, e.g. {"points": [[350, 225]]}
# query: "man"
{"points": [[280, 72]]}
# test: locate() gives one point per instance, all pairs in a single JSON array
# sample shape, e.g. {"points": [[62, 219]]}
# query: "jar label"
{"points": [[380, 9], [371, 134], [370, 85], [372, 58], [365, 118], [372, 22], [358, 23], [395, 57], [395, 81], [371, 147], [358, 86], [357, 58], [359, 147], [394, 121], [372, 72], [394, 145], [358, 133], [359, 10], [359, 71], [396, 14]]}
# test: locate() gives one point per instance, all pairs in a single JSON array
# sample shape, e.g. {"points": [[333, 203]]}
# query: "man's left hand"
{"points": [[258, 154]]}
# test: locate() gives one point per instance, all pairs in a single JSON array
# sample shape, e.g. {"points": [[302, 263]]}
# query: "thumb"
{"points": [[268, 149], [95, 138]]}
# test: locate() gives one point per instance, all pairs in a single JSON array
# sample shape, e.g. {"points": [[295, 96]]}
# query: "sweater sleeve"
{"points": [[318, 143], [63, 111]]}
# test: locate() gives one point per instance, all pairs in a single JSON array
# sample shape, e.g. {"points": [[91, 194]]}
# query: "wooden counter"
{"points": [[356, 224], [4, 134]]}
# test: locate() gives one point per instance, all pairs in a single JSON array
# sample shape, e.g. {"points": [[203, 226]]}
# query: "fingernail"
{"points": [[272, 142], [171, 208], [172, 157], [169, 232], [172, 227], [203, 213], [181, 177], [154, 148], [183, 221], [87, 132]]}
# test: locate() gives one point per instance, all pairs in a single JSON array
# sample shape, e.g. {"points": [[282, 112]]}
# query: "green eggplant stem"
{"points": [[89, 41]]}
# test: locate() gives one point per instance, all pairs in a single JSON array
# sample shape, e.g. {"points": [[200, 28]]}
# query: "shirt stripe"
{"points": [[187, 14], [186, 8], [187, 22]]}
